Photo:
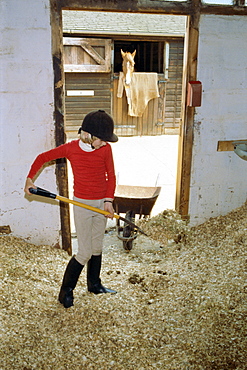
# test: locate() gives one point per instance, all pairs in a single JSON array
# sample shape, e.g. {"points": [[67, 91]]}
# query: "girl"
{"points": [[94, 184]]}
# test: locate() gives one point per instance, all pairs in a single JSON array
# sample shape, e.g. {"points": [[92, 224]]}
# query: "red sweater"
{"points": [[94, 175]]}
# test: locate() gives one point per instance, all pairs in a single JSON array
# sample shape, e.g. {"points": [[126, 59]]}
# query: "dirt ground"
{"points": [[181, 301]]}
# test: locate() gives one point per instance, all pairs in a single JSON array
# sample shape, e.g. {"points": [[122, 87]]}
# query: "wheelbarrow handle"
{"points": [[47, 194]]}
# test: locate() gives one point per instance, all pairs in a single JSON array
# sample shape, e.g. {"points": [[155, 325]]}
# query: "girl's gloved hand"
{"points": [[109, 208], [29, 184]]}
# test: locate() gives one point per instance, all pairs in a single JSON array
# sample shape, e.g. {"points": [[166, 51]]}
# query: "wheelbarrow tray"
{"points": [[139, 199]]}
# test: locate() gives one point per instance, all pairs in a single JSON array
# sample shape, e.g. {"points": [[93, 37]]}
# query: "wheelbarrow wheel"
{"points": [[128, 230], [128, 245]]}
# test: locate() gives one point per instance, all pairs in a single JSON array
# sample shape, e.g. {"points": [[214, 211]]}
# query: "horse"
{"points": [[128, 65]]}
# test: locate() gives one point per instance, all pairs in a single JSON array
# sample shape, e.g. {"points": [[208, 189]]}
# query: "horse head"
{"points": [[128, 65]]}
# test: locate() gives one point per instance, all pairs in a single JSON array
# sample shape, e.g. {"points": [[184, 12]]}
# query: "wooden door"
{"points": [[87, 55], [87, 65]]}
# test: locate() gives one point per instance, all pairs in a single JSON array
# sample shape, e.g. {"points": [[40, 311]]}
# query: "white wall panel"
{"points": [[218, 178], [26, 117]]}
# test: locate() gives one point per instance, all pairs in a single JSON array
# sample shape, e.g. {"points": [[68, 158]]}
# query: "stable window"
{"points": [[149, 55]]}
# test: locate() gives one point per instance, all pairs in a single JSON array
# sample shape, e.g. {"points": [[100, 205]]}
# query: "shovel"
{"points": [[47, 194]]}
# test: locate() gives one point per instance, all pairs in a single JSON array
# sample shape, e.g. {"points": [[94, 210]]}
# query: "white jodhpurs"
{"points": [[90, 229]]}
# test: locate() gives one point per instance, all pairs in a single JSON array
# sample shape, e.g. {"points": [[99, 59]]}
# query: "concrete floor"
{"points": [[146, 161]]}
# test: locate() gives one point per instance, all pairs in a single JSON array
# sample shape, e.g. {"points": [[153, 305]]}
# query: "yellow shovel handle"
{"points": [[94, 209], [48, 194]]}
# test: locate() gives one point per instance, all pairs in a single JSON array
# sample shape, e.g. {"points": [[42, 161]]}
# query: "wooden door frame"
{"points": [[185, 144], [190, 8], [59, 121]]}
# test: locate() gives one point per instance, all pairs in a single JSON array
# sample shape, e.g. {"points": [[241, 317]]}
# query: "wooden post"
{"points": [[186, 135], [61, 166]]}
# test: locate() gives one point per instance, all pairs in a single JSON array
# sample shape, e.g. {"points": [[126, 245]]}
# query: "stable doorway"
{"points": [[147, 151]]}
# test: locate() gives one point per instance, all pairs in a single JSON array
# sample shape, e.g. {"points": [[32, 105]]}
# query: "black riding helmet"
{"points": [[99, 124]]}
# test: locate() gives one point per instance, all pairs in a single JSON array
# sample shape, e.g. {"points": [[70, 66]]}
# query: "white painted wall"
{"points": [[26, 117], [218, 181]]}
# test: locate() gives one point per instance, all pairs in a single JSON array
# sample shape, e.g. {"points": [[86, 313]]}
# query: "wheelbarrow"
{"points": [[133, 201]]}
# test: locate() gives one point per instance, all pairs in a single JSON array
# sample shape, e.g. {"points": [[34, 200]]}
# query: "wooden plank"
{"points": [[186, 137], [144, 128], [154, 7], [86, 68], [224, 9], [155, 128], [141, 6], [5, 229], [227, 145], [59, 121]]}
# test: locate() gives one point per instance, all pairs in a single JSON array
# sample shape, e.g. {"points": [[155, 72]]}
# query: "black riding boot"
{"points": [[70, 279], [93, 280]]}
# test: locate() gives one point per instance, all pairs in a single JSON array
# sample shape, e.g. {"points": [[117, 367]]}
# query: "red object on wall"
{"points": [[194, 94]]}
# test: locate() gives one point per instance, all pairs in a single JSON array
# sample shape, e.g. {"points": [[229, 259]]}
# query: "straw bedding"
{"points": [[181, 301]]}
